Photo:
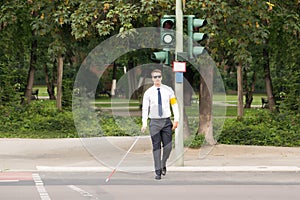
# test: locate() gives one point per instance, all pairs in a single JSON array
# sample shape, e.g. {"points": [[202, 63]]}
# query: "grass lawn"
{"points": [[193, 110], [231, 99], [42, 89]]}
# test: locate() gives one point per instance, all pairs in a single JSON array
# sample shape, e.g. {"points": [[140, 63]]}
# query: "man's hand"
{"points": [[175, 125], [143, 129]]}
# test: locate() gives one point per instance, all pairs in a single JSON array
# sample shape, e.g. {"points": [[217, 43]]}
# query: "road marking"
{"points": [[71, 169], [9, 181], [40, 187], [80, 191], [238, 168]]}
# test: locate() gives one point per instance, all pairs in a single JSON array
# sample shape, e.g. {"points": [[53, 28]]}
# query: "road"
{"points": [[125, 186]]}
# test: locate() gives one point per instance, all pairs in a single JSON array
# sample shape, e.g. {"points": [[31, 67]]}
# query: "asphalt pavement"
{"points": [[104, 154]]}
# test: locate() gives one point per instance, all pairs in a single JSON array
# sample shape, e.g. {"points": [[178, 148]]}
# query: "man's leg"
{"points": [[156, 144], [166, 134]]}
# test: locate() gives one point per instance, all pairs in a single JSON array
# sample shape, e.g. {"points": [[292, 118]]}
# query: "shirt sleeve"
{"points": [[145, 108], [174, 105]]}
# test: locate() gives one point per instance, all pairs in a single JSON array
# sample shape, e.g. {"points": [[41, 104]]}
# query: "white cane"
{"points": [[123, 158]]}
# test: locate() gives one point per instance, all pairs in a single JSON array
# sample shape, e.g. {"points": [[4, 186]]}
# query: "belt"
{"points": [[159, 118]]}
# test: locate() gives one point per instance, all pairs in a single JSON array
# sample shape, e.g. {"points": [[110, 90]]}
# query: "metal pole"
{"points": [[179, 86]]}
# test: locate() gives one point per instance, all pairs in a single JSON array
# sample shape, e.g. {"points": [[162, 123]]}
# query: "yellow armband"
{"points": [[173, 101]]}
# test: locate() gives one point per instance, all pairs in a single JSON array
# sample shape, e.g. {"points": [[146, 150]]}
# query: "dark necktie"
{"points": [[159, 103]]}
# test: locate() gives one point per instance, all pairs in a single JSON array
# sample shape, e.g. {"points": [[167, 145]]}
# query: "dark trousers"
{"points": [[161, 133]]}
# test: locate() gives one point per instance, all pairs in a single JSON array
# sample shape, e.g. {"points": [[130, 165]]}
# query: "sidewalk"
{"points": [[103, 154]]}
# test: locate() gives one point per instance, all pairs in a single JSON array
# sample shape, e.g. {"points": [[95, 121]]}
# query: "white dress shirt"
{"points": [[150, 104]]}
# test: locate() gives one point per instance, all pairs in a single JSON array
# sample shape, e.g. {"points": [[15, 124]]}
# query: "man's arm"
{"points": [[175, 109], [145, 112]]}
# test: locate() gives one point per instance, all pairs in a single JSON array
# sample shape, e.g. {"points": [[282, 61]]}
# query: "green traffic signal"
{"points": [[195, 24], [199, 36], [161, 56], [199, 22]]}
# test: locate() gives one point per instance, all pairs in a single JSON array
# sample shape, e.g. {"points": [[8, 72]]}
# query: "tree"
{"points": [[15, 15], [248, 37], [206, 100], [284, 52], [213, 12], [32, 68], [52, 19]]}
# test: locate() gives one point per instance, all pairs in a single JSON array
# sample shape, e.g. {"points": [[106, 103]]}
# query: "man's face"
{"points": [[156, 78]]}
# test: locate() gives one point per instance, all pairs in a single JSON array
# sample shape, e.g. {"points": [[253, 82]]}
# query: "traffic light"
{"points": [[162, 57], [194, 35], [167, 33]]}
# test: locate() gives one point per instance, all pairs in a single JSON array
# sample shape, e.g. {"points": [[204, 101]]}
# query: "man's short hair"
{"points": [[156, 71]]}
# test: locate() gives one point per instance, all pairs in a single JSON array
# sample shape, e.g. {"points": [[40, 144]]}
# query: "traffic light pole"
{"points": [[179, 149]]}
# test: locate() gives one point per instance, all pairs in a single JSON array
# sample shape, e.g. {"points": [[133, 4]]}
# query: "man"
{"points": [[156, 105]]}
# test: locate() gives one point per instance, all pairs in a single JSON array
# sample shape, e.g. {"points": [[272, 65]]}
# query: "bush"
{"points": [[120, 125], [194, 141], [39, 119], [264, 128]]}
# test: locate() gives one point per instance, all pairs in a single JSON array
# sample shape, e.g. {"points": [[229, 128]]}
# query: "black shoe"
{"points": [[158, 177], [164, 171]]}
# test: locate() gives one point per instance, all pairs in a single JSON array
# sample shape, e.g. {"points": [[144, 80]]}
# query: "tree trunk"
{"points": [[186, 128], [205, 104], [50, 85], [32, 66], [114, 80], [268, 80], [144, 84], [131, 80], [188, 87], [250, 91], [240, 107], [59, 82], [187, 100]]}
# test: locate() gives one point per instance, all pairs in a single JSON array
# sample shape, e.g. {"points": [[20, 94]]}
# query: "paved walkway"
{"points": [[103, 154]]}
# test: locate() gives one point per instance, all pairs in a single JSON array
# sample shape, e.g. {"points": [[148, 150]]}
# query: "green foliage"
{"points": [[67, 89], [39, 119], [239, 31], [263, 128], [194, 141], [120, 125]]}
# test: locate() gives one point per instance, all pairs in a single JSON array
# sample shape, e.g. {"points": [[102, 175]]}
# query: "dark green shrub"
{"points": [[194, 141], [39, 119], [120, 125], [265, 128]]}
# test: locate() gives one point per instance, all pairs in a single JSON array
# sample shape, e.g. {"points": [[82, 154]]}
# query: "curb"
{"points": [[175, 169]]}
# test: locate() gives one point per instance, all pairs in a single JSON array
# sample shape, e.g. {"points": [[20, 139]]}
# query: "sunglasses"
{"points": [[156, 76]]}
